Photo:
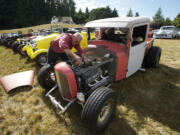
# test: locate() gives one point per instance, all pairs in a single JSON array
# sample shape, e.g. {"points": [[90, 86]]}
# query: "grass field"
{"points": [[148, 102]]}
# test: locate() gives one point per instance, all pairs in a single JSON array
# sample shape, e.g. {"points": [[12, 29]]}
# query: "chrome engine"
{"points": [[92, 75]]}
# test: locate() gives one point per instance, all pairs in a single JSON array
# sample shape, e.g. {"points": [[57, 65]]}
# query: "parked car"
{"points": [[37, 49], [178, 33], [78, 29], [75, 29], [155, 31], [3, 38], [121, 49], [166, 32]]}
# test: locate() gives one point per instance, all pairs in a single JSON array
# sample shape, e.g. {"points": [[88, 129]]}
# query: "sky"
{"points": [[170, 8]]}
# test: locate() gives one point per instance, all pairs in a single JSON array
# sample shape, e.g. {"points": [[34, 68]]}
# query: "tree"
{"points": [[79, 17], [103, 12], [136, 14], [114, 13], [158, 19], [178, 15], [72, 7], [176, 21], [167, 21], [86, 14], [8, 13], [130, 13], [108, 11], [22, 13]]}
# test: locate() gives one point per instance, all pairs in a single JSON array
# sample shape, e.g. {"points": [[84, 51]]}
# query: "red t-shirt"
{"points": [[63, 42]]}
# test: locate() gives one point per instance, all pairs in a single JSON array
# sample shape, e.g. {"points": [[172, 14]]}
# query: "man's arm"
{"points": [[81, 52], [78, 48], [75, 56]]}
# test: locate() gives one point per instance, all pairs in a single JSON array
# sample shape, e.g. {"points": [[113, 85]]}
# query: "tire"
{"points": [[9, 44], [20, 51], [15, 46], [44, 77], [41, 59], [94, 114], [5, 43], [153, 56], [1, 42]]}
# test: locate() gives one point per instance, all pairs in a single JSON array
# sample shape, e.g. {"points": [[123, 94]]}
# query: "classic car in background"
{"points": [[155, 31], [178, 33], [166, 32]]}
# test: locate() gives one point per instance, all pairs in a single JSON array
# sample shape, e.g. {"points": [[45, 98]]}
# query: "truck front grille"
{"points": [[63, 85]]}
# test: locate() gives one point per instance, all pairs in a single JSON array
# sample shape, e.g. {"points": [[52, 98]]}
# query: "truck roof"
{"points": [[126, 22]]}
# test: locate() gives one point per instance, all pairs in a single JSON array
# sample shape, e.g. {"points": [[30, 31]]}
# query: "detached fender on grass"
{"points": [[16, 80]]}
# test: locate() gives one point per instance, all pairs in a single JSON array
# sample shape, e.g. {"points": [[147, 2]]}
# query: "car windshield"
{"points": [[168, 28], [119, 35]]}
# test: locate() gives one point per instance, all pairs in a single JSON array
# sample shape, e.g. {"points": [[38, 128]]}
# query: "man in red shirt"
{"points": [[61, 47]]}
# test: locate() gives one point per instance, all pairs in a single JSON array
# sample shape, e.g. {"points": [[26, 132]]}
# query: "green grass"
{"points": [[148, 102]]}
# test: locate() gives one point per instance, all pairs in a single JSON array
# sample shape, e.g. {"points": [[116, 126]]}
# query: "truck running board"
{"points": [[58, 104]]}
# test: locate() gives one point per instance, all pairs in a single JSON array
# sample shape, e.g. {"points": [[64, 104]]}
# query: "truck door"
{"points": [[137, 49]]}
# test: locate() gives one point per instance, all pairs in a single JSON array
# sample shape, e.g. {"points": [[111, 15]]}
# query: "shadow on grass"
{"points": [[19, 90], [118, 126], [154, 94]]}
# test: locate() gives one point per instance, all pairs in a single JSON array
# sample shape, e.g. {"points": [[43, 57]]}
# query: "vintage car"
{"points": [[38, 47], [122, 47], [166, 32], [178, 33]]}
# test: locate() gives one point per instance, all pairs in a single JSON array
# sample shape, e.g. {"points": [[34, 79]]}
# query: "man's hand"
{"points": [[78, 59], [85, 60]]}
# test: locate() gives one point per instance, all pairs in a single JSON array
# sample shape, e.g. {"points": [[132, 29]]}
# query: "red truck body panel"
{"points": [[122, 53]]}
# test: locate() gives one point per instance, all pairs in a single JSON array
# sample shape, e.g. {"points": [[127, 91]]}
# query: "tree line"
{"points": [[158, 19], [23, 13]]}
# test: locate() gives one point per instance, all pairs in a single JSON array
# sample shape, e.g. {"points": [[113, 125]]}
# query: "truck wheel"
{"points": [[98, 109], [41, 59], [152, 57], [20, 51], [46, 77]]}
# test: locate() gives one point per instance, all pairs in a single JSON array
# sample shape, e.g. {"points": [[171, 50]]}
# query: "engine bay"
{"points": [[97, 72]]}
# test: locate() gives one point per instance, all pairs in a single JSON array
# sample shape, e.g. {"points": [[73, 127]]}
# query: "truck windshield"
{"points": [[119, 35]]}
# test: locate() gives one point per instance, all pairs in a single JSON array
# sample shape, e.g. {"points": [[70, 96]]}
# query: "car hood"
{"points": [[51, 36], [111, 46], [164, 32]]}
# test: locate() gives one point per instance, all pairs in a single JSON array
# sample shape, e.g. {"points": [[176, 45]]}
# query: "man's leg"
{"points": [[65, 58], [52, 57]]}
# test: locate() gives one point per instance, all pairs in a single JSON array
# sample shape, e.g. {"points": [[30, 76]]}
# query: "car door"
{"points": [[137, 48]]}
